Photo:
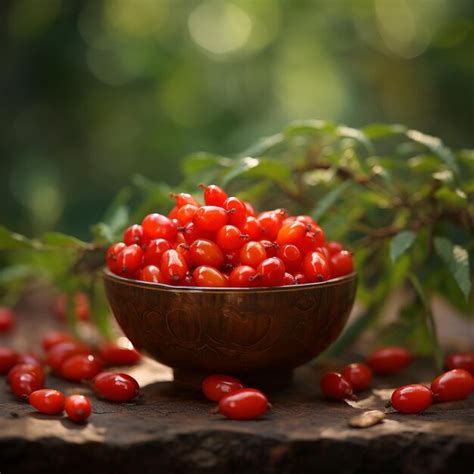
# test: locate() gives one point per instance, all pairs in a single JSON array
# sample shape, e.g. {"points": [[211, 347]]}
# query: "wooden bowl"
{"points": [[248, 332]]}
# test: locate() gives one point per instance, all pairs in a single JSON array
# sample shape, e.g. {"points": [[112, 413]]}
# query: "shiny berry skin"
{"points": [[213, 195], [306, 219], [252, 253], [237, 211], [270, 247], [157, 226], [334, 247], [206, 252], [461, 360], [7, 319], [52, 338], [7, 359], [152, 274], [183, 199], [78, 408], [28, 358], [335, 386], [119, 354], [315, 267], [242, 276], [47, 401], [215, 387], [112, 256], [456, 384], [291, 256], [250, 209], [56, 356], [389, 360], [173, 266], [115, 387], [210, 218], [358, 375], [209, 276], [154, 251], [192, 232], [135, 235], [300, 278], [23, 384], [185, 214], [243, 404], [270, 222], [288, 279], [229, 237], [413, 398], [252, 228], [291, 233], [341, 264], [36, 370], [307, 243], [173, 212], [80, 367], [129, 260], [271, 272]]}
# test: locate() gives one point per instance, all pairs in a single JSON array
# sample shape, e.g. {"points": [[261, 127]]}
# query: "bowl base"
{"points": [[268, 380]]}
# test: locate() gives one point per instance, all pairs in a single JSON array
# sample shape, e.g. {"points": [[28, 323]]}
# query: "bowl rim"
{"points": [[107, 274]]}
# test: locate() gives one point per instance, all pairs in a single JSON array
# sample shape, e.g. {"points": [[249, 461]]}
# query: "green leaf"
{"points": [[11, 240], [199, 165], [456, 259], [329, 199], [382, 130], [58, 239], [356, 134], [242, 165], [401, 243], [264, 145], [310, 127]]}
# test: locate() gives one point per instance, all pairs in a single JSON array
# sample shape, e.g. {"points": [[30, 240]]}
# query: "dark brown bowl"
{"points": [[231, 330]]}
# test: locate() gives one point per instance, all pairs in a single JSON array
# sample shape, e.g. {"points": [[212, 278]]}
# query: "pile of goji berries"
{"points": [[224, 243], [71, 360], [455, 384]]}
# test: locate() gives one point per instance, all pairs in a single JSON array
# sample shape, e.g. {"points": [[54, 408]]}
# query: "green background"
{"points": [[93, 92]]}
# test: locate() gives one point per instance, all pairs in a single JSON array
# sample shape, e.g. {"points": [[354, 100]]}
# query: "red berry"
{"points": [[173, 212], [135, 235], [36, 370], [157, 226], [129, 260], [389, 360], [335, 386], [7, 319], [461, 360], [229, 237], [288, 279], [7, 359], [411, 398], [252, 253], [206, 252], [291, 256], [270, 222], [271, 272], [116, 387], [300, 278], [192, 232], [214, 195], [173, 266], [48, 401], [359, 376], [185, 214], [341, 264], [78, 408], [52, 338], [306, 219], [252, 228], [119, 354], [250, 209], [334, 247], [243, 404], [81, 306], [24, 383], [242, 276], [112, 256], [56, 356], [210, 218], [315, 267], [237, 211], [457, 384], [215, 387], [80, 367], [291, 233], [182, 199], [28, 358], [209, 276], [271, 248], [155, 249], [307, 243], [152, 274]]}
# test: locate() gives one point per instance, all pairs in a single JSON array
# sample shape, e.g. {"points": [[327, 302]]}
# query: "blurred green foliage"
{"points": [[94, 92]]}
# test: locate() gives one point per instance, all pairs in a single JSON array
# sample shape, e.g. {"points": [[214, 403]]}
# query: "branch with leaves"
{"points": [[399, 198]]}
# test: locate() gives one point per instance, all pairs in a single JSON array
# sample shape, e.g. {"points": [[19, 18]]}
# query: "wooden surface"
{"points": [[172, 431]]}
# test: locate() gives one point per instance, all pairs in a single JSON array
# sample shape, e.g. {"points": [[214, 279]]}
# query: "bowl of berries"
{"points": [[218, 288]]}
